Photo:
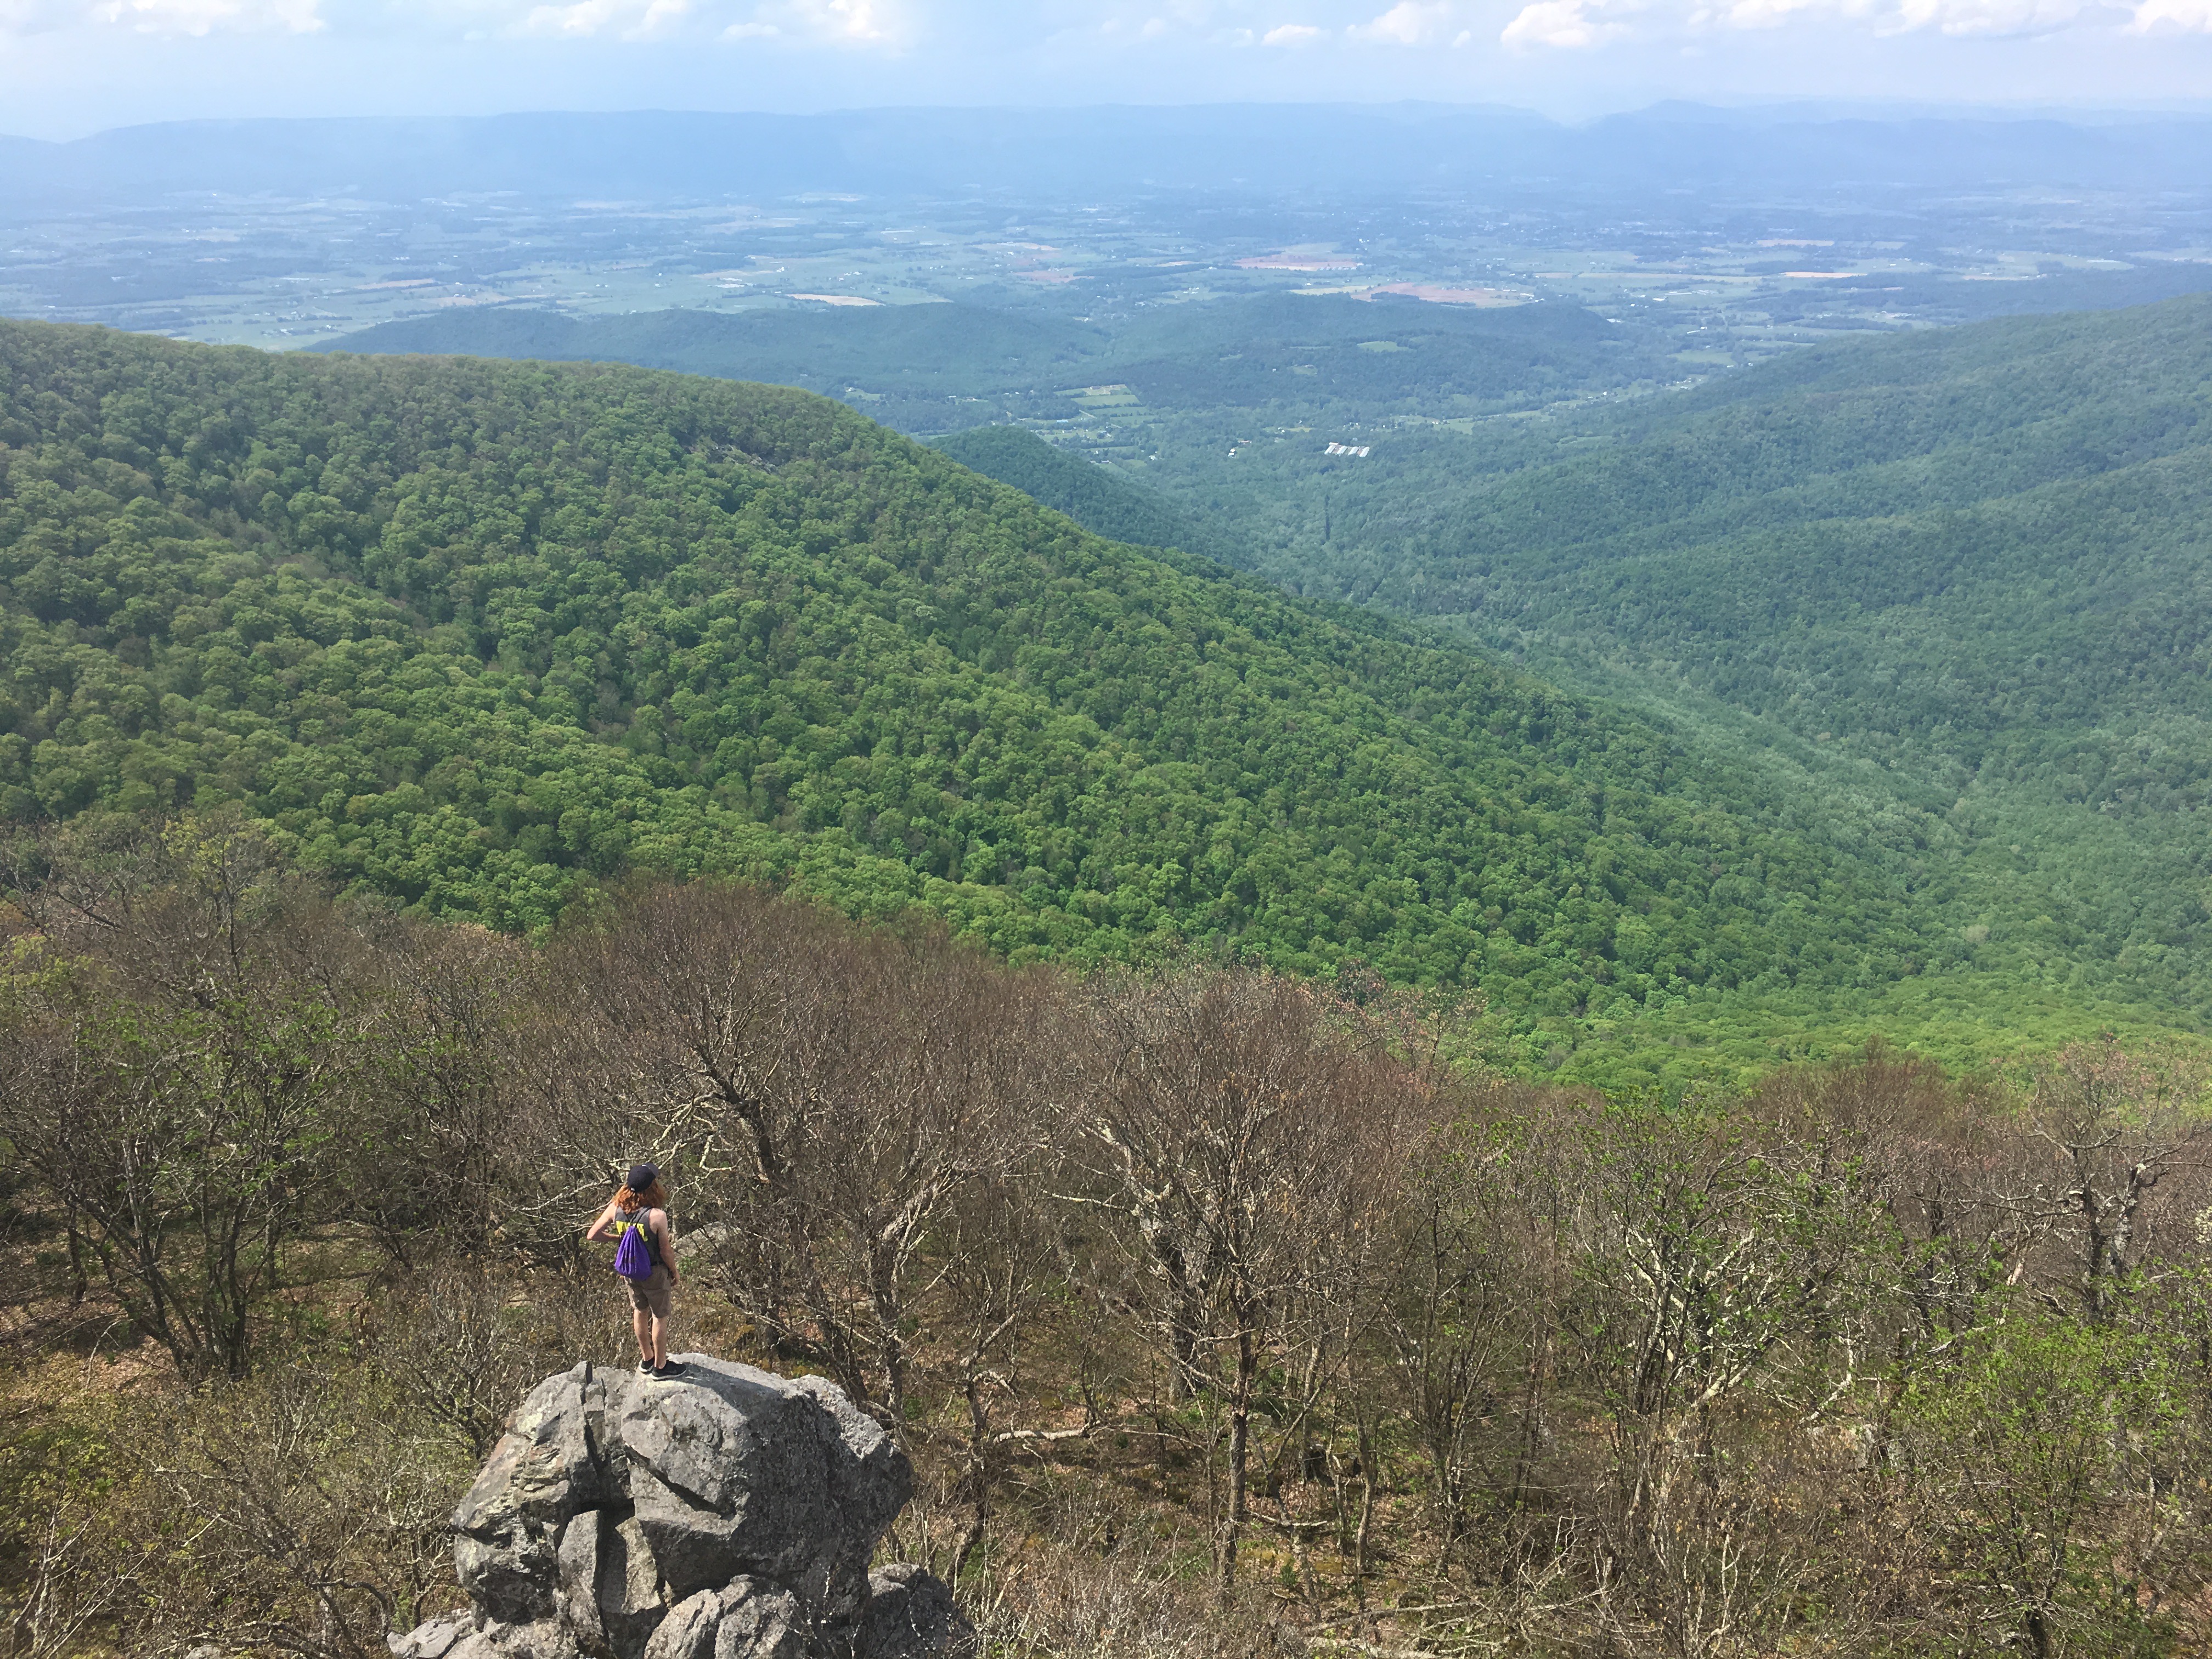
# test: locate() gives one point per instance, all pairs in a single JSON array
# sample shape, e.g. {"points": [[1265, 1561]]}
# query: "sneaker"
{"points": [[670, 1369], [646, 1365]]}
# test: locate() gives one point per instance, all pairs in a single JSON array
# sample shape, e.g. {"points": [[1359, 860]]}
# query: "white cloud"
{"points": [[1233, 22], [880, 25], [1579, 24], [1167, 30], [1952, 17], [569, 22], [1983, 16], [199, 17], [628, 20], [1567, 25], [849, 23], [2194, 17], [884, 24], [1408, 23], [1772, 14]]}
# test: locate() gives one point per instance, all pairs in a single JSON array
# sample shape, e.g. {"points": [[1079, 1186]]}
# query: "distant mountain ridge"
{"points": [[910, 365], [905, 348], [1212, 148]]}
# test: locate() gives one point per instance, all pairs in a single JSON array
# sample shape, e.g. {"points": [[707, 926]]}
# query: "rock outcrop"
{"points": [[720, 1513]]}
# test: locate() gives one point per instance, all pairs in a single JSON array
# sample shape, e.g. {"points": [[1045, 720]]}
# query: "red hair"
{"points": [[653, 1198]]}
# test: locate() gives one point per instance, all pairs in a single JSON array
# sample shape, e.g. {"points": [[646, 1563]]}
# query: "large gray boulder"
{"points": [[720, 1513]]}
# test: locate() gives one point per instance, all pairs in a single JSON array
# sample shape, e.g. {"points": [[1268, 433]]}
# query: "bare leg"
{"points": [[659, 1342], [642, 1324]]}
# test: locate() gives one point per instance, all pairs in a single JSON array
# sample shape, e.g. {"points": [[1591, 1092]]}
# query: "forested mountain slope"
{"points": [[1968, 567], [468, 633], [1103, 502]]}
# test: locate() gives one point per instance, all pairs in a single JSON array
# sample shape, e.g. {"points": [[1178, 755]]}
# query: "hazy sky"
{"points": [[68, 67]]}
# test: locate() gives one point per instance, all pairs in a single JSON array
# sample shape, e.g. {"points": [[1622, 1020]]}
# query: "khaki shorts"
{"points": [[652, 1294]]}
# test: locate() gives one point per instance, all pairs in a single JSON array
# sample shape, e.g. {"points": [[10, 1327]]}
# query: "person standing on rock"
{"points": [[645, 1256]]}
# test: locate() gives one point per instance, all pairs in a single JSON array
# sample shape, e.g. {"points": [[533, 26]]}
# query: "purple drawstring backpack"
{"points": [[636, 1256]]}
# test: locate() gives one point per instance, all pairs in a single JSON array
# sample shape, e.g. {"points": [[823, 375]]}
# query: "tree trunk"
{"points": [[80, 1281], [891, 1345], [979, 1476], [1240, 1441], [1366, 1507], [1184, 1376]]}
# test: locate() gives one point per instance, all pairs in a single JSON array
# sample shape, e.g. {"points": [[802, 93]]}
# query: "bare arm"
{"points": [[599, 1229], [667, 1226]]}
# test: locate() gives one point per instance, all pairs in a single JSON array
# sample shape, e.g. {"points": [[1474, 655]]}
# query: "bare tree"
{"points": [[1235, 1127], [831, 1093], [1471, 1315], [182, 1071], [449, 1152], [1712, 1260], [999, 1258], [954, 1094], [708, 1023], [2119, 1130], [299, 1515]]}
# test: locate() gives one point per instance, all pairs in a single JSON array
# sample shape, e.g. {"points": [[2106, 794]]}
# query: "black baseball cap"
{"points": [[641, 1176]]}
